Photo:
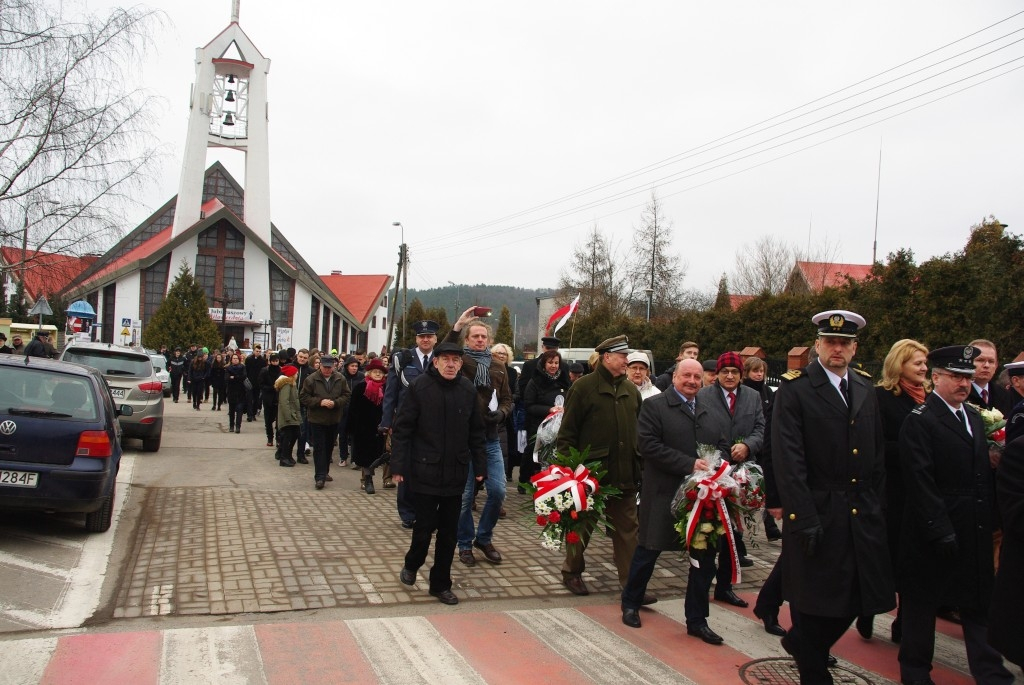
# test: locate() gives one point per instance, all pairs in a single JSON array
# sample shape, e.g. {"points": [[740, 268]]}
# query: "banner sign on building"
{"points": [[246, 316]]}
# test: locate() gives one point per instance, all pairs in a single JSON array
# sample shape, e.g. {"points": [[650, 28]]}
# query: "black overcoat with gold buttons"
{"points": [[829, 462]]}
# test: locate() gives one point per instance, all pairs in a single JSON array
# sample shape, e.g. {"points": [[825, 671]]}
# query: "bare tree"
{"points": [[764, 267], [76, 141], [599, 275], [655, 270]]}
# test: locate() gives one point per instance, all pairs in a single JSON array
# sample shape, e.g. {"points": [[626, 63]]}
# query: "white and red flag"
{"points": [[562, 316]]}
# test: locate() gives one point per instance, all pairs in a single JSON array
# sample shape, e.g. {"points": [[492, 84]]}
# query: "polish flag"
{"points": [[562, 315]]}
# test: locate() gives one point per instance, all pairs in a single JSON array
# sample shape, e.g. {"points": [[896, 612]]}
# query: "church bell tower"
{"points": [[228, 108]]}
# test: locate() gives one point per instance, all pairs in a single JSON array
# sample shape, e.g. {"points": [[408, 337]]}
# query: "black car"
{"points": [[60, 442]]}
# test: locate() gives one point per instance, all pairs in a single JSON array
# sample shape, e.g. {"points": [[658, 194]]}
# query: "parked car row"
{"points": [[62, 425]]}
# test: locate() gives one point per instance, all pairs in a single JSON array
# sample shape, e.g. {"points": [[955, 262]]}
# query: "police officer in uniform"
{"points": [[946, 550], [830, 471]]}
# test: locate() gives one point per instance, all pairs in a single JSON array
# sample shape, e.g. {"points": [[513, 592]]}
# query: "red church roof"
{"points": [[360, 294]]}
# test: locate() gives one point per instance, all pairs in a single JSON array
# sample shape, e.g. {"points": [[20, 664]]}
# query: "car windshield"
{"points": [[111, 363], [33, 392]]}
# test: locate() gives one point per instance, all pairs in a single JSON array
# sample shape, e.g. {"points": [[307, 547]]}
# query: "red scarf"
{"points": [[915, 392], [374, 390]]}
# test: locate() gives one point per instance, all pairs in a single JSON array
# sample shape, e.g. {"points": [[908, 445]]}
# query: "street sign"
{"points": [[125, 332], [126, 323]]}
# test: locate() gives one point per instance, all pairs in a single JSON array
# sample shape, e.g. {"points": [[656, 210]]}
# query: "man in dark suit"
{"points": [[984, 392], [405, 367], [1006, 630], [735, 424], [828, 450], [667, 437], [1015, 419], [946, 555]]}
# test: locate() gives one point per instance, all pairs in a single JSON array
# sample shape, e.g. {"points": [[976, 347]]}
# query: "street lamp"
{"points": [[403, 271], [458, 289]]}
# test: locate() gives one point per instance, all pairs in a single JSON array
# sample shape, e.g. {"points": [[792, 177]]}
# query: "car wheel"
{"points": [[151, 444], [99, 521]]}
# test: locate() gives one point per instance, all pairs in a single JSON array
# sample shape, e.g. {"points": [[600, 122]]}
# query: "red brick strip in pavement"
{"points": [[322, 652], [108, 658], [501, 650]]}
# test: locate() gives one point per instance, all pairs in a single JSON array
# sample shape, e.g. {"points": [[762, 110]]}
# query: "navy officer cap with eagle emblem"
{"points": [[957, 359], [838, 323], [426, 327]]}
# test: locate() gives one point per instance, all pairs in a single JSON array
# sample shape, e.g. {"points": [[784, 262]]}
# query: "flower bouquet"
{"points": [[995, 425], [547, 434], [568, 499], [749, 478], [706, 506]]}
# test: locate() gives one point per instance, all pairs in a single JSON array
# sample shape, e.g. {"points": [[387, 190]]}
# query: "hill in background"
{"points": [[521, 303]]}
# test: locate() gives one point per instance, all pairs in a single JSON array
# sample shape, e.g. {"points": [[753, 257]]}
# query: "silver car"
{"points": [[132, 380], [160, 365]]}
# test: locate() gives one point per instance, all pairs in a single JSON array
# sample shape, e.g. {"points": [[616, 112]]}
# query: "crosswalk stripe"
{"points": [[226, 655], [600, 654], [109, 658], [410, 650]]}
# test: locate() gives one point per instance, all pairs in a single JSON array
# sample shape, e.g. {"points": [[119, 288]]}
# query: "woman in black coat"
{"points": [[546, 385], [364, 414], [903, 386], [217, 381], [234, 388], [1005, 629]]}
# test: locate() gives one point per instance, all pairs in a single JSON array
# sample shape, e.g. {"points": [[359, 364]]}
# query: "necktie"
{"points": [[844, 389], [963, 419], [732, 403], [984, 397], [693, 406]]}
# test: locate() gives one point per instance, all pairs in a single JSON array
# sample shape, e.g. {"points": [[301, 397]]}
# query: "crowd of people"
{"points": [[885, 488]]}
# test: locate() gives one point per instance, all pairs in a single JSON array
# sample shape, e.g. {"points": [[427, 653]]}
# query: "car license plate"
{"points": [[117, 393], [21, 479]]}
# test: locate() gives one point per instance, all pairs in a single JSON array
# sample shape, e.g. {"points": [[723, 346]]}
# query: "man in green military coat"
{"points": [[601, 411]]}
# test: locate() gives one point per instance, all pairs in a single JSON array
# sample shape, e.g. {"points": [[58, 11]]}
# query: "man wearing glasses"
{"points": [[946, 555]]}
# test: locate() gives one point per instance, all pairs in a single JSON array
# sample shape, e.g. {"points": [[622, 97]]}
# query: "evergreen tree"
{"points": [[722, 302], [183, 317], [406, 338], [504, 332], [439, 315]]}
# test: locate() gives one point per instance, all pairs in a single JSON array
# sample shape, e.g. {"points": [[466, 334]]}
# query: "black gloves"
{"points": [[810, 538], [946, 548], [493, 418]]}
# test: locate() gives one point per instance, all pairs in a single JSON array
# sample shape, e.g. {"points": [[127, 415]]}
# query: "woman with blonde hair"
{"points": [[903, 386]]}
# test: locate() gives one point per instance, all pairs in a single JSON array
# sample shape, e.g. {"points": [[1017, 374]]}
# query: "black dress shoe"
{"points": [[949, 614], [705, 633], [446, 597], [771, 624], [466, 557], [866, 626], [745, 562], [831, 661], [286, 462], [490, 553], [407, 576], [730, 597], [631, 617], [319, 485], [408, 524], [303, 460], [648, 599], [575, 584]]}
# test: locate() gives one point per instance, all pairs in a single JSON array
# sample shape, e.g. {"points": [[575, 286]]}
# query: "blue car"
{"points": [[60, 441]]}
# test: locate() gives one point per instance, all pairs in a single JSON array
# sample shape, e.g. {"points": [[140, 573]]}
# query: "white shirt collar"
{"points": [[955, 410], [834, 379]]}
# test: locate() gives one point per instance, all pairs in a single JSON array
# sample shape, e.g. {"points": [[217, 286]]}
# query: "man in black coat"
{"points": [[828, 450], [946, 555], [436, 436], [1015, 419], [1006, 629]]}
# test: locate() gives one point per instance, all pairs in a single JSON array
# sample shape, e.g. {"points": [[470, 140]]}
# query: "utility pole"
{"points": [[401, 276]]}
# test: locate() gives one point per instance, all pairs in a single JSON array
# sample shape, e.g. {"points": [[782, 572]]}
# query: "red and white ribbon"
{"points": [[711, 493], [557, 479]]}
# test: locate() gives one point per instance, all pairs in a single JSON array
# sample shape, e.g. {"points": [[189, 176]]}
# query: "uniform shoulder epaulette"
{"points": [[919, 409], [792, 375], [861, 372]]}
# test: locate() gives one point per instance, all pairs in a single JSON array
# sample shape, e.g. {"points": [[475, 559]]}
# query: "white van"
{"points": [[582, 355]]}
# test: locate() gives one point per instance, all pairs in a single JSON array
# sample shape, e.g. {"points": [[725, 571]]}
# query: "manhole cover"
{"points": [[779, 671]]}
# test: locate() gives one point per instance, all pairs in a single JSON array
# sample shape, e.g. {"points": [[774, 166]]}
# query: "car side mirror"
{"points": [[125, 410]]}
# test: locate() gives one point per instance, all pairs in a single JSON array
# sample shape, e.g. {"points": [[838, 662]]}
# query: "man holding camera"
{"points": [[495, 400]]}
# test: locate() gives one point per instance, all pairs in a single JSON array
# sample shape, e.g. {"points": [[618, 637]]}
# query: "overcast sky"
{"points": [[461, 119]]}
